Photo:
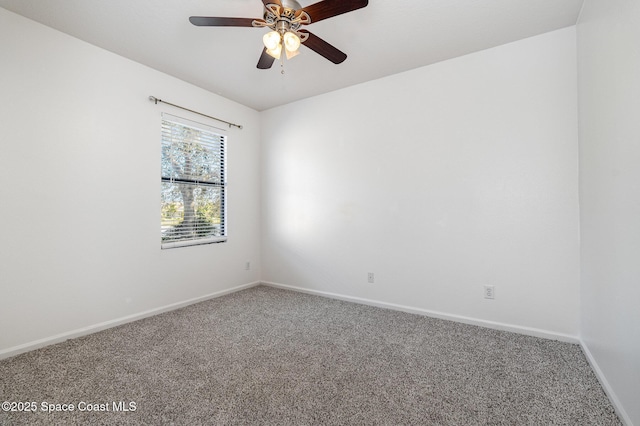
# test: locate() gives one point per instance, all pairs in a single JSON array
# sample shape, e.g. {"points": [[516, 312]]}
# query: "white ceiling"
{"points": [[384, 38]]}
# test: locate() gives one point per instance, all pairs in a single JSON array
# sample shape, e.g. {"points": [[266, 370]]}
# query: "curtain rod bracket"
{"points": [[156, 100]]}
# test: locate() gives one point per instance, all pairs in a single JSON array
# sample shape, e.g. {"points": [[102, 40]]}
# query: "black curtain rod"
{"points": [[156, 100]]}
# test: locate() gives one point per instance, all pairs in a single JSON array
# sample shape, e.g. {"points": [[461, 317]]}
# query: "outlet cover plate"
{"points": [[489, 292]]}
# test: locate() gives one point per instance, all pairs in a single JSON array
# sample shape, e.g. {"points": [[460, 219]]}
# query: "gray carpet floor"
{"points": [[274, 357]]}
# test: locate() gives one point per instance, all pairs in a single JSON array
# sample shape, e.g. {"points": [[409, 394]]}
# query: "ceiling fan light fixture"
{"points": [[291, 54], [291, 42], [275, 52], [271, 40]]}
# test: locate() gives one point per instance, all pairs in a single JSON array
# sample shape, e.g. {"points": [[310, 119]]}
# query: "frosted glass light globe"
{"points": [[276, 51], [271, 40], [291, 41]]}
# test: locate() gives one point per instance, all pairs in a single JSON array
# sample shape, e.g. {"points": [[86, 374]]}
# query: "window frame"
{"points": [[170, 121]]}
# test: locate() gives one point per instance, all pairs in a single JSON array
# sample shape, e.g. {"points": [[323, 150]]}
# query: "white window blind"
{"points": [[193, 183]]}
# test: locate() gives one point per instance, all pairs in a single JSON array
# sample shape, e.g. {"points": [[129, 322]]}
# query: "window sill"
{"points": [[191, 243]]}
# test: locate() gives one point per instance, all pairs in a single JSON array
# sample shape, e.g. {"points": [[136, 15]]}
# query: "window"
{"points": [[193, 184]]}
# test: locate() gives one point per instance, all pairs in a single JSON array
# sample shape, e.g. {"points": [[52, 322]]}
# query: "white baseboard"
{"points": [[435, 314], [606, 386], [16, 350]]}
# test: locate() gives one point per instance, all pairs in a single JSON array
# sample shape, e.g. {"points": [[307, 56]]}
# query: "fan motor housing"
{"points": [[284, 19], [288, 12], [291, 4]]}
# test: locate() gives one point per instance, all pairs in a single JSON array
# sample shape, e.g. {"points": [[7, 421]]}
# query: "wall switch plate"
{"points": [[489, 292], [247, 265], [370, 278]]}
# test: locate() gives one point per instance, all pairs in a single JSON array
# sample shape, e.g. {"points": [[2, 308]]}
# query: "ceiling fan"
{"points": [[285, 18]]}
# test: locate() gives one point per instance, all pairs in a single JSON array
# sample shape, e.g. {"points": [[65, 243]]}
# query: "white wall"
{"points": [[439, 180], [609, 93], [80, 167]]}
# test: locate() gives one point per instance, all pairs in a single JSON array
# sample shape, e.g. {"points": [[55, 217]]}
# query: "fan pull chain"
{"points": [[281, 65]]}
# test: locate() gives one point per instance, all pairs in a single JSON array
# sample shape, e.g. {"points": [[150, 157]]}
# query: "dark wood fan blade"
{"points": [[328, 8], [212, 21], [266, 60], [323, 48]]}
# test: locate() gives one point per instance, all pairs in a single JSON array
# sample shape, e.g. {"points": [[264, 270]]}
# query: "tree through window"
{"points": [[193, 183]]}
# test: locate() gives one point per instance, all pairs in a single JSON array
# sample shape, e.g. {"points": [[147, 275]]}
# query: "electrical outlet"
{"points": [[370, 278], [247, 265], [489, 292]]}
